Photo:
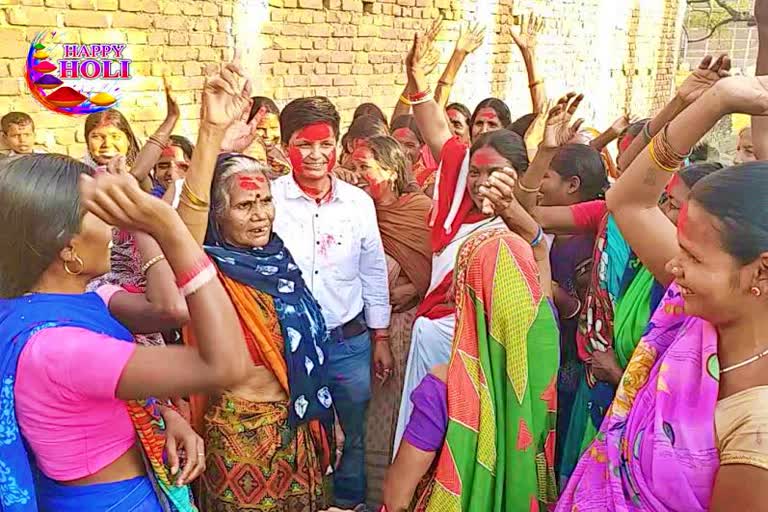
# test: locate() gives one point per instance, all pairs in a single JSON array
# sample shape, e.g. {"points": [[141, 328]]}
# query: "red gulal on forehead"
{"points": [[682, 221], [249, 182], [485, 157], [315, 132], [454, 115], [169, 151], [402, 133], [488, 114], [361, 152]]}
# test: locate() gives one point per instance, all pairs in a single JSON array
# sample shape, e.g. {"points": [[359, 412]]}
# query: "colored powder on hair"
{"points": [[48, 82], [45, 67], [102, 99], [65, 97]]}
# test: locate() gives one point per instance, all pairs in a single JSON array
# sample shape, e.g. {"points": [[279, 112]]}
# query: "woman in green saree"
{"points": [[482, 434]]}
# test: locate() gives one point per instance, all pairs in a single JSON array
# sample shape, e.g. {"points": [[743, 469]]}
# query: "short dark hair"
{"points": [[259, 102], [501, 109], [460, 108], [407, 121], [738, 197], [114, 117], [390, 155], [17, 118], [587, 164], [305, 111], [364, 127], [185, 144], [40, 211], [508, 144], [521, 124], [370, 109], [692, 174]]}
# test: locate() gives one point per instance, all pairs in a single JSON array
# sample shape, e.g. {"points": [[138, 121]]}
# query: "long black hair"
{"points": [[40, 213], [587, 164]]}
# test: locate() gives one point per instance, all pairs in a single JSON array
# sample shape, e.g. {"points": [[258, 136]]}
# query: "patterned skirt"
{"points": [[255, 462]]}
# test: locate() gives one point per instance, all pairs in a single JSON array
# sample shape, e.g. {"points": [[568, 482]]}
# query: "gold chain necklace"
{"points": [[745, 362]]}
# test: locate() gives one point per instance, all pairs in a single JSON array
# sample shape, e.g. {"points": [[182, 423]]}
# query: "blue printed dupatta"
{"points": [[20, 319]]}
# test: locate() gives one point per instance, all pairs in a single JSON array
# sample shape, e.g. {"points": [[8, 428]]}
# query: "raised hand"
{"points": [[415, 62], [559, 130], [744, 95], [434, 29], [530, 28], [701, 80], [115, 198], [226, 95], [622, 123], [470, 38], [535, 132], [431, 60], [173, 113]]}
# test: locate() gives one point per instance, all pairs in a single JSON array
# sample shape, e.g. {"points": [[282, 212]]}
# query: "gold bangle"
{"points": [[193, 198], [404, 100], [151, 262], [445, 83], [186, 202], [528, 190], [664, 166], [534, 84], [158, 141]]}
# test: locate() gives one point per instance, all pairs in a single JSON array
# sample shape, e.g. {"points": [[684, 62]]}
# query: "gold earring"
{"points": [[79, 261], [756, 291]]}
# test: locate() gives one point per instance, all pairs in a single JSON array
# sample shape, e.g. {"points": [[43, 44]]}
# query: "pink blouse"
{"points": [[65, 399]]}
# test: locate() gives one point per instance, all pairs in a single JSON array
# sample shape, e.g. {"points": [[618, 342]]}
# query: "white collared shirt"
{"points": [[338, 248]]}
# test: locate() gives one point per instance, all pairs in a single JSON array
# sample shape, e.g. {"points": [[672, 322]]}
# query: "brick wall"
{"points": [[621, 56]]}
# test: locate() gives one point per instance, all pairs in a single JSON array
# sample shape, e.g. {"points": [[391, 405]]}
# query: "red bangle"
{"points": [[420, 95], [185, 277]]}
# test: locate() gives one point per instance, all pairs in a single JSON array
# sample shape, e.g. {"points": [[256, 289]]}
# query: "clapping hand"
{"points": [[559, 130], [173, 113], [703, 78], [499, 192]]}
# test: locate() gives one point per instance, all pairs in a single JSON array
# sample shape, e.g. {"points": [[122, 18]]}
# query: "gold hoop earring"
{"points": [[756, 291], [79, 261]]}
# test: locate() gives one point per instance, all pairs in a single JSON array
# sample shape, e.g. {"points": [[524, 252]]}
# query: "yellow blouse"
{"points": [[741, 423]]}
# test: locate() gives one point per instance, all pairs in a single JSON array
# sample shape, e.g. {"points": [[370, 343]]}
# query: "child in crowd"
{"points": [[18, 133]]}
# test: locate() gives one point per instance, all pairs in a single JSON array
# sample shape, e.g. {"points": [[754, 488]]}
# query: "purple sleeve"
{"points": [[429, 419]]}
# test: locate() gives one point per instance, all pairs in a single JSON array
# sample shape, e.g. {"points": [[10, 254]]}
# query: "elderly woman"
{"points": [[381, 166], [272, 427]]}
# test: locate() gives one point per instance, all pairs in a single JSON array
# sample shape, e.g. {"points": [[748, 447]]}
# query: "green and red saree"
{"points": [[499, 449]]}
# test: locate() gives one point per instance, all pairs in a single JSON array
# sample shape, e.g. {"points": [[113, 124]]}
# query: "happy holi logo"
{"points": [[75, 78]]}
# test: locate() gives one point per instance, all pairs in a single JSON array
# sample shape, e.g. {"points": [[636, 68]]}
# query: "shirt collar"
{"points": [[294, 190]]}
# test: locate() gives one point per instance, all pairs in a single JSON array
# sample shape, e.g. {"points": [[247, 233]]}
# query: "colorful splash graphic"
{"points": [[75, 79]]}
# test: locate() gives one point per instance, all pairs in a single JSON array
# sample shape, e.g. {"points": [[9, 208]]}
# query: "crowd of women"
{"points": [[568, 332]]}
